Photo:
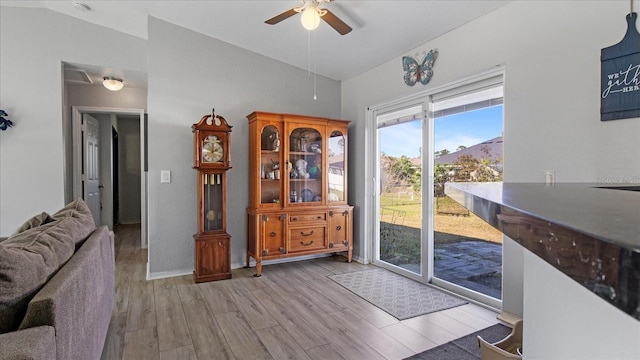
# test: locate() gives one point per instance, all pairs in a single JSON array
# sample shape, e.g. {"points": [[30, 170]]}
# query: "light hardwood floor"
{"points": [[292, 312]]}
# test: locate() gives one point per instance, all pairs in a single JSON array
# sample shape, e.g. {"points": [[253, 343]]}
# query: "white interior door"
{"points": [[91, 162]]}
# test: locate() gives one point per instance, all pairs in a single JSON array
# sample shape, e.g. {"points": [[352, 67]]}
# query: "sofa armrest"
{"points": [[78, 300], [29, 344]]}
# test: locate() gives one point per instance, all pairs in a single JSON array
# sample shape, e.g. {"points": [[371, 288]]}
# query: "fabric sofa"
{"points": [[57, 287]]}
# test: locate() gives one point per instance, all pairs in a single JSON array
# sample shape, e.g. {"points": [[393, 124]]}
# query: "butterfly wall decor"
{"points": [[4, 122], [422, 72]]}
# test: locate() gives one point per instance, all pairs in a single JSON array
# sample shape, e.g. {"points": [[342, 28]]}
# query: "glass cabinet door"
{"points": [[336, 167], [305, 164], [270, 170]]}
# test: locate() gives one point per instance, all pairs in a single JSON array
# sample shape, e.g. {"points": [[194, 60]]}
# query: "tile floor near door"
{"points": [[292, 312]]}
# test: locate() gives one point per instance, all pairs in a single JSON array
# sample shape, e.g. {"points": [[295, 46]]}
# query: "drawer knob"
{"points": [[294, 219], [338, 227], [273, 234], [307, 244], [308, 234]]}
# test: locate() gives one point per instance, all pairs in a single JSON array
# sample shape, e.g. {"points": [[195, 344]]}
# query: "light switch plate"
{"points": [[165, 176]]}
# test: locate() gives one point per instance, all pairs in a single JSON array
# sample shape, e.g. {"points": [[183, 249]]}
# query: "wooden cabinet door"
{"points": [[212, 259], [340, 228], [336, 167], [306, 180], [272, 235]]}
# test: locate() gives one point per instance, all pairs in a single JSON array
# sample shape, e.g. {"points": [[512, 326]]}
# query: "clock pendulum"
{"points": [[210, 214]]}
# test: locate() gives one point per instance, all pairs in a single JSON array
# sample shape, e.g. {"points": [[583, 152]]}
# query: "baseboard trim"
{"points": [[167, 274], [252, 262]]}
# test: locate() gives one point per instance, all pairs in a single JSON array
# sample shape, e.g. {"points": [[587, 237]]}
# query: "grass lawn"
{"points": [[454, 227], [450, 218]]}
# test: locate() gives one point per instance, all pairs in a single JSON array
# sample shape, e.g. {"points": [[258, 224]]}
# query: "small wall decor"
{"points": [[4, 122], [422, 72], [620, 75]]}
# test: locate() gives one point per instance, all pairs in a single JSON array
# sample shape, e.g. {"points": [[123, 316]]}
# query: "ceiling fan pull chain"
{"points": [[315, 97], [309, 52], [315, 78]]}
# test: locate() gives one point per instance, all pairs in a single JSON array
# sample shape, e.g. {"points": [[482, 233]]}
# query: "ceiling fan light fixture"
{"points": [[112, 83], [310, 18]]}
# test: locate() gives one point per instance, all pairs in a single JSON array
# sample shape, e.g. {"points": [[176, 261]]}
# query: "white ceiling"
{"points": [[382, 29]]}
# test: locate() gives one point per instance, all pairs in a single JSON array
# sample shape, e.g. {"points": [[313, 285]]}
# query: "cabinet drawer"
{"points": [[298, 218], [305, 239]]}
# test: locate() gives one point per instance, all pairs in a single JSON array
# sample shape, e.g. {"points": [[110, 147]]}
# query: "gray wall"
{"points": [[35, 42], [188, 75], [551, 51]]}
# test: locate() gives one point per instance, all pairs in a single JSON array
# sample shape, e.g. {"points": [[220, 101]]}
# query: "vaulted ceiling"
{"points": [[382, 29]]}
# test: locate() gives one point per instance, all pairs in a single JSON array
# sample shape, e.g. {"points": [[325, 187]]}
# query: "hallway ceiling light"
{"points": [[112, 83]]}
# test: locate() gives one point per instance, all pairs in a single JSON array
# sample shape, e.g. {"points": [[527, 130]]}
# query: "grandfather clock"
{"points": [[211, 140]]}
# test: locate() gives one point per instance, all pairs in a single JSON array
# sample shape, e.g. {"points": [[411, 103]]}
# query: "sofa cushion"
{"points": [[35, 221], [30, 258], [78, 210], [34, 343]]}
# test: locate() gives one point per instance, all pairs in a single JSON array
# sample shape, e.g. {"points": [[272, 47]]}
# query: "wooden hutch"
{"points": [[297, 187]]}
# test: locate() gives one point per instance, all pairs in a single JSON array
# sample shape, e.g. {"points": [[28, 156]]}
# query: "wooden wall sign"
{"points": [[620, 76]]}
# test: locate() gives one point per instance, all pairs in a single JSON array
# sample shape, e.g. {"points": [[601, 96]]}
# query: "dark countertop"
{"points": [[606, 214], [589, 231]]}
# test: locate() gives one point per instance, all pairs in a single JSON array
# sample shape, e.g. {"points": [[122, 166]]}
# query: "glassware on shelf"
{"points": [[269, 165]]}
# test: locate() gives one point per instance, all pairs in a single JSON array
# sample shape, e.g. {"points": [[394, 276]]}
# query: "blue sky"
{"points": [[468, 128]]}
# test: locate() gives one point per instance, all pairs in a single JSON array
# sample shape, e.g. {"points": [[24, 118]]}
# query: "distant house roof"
{"points": [[491, 147]]}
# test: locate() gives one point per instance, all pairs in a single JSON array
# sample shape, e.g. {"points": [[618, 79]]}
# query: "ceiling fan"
{"points": [[311, 15]]}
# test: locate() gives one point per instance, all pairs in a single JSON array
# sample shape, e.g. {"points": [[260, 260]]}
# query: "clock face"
{"points": [[212, 151]]}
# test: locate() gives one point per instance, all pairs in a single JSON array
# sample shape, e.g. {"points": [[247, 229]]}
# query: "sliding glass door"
{"points": [[418, 144]]}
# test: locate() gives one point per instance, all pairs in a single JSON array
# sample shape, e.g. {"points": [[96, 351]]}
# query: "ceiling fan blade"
{"points": [[285, 15], [336, 23]]}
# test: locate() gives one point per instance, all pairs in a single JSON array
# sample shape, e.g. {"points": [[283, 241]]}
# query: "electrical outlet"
{"points": [[549, 177], [165, 176]]}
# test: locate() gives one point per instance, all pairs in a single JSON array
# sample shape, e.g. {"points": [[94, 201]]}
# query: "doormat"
{"points": [[464, 348], [399, 296]]}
